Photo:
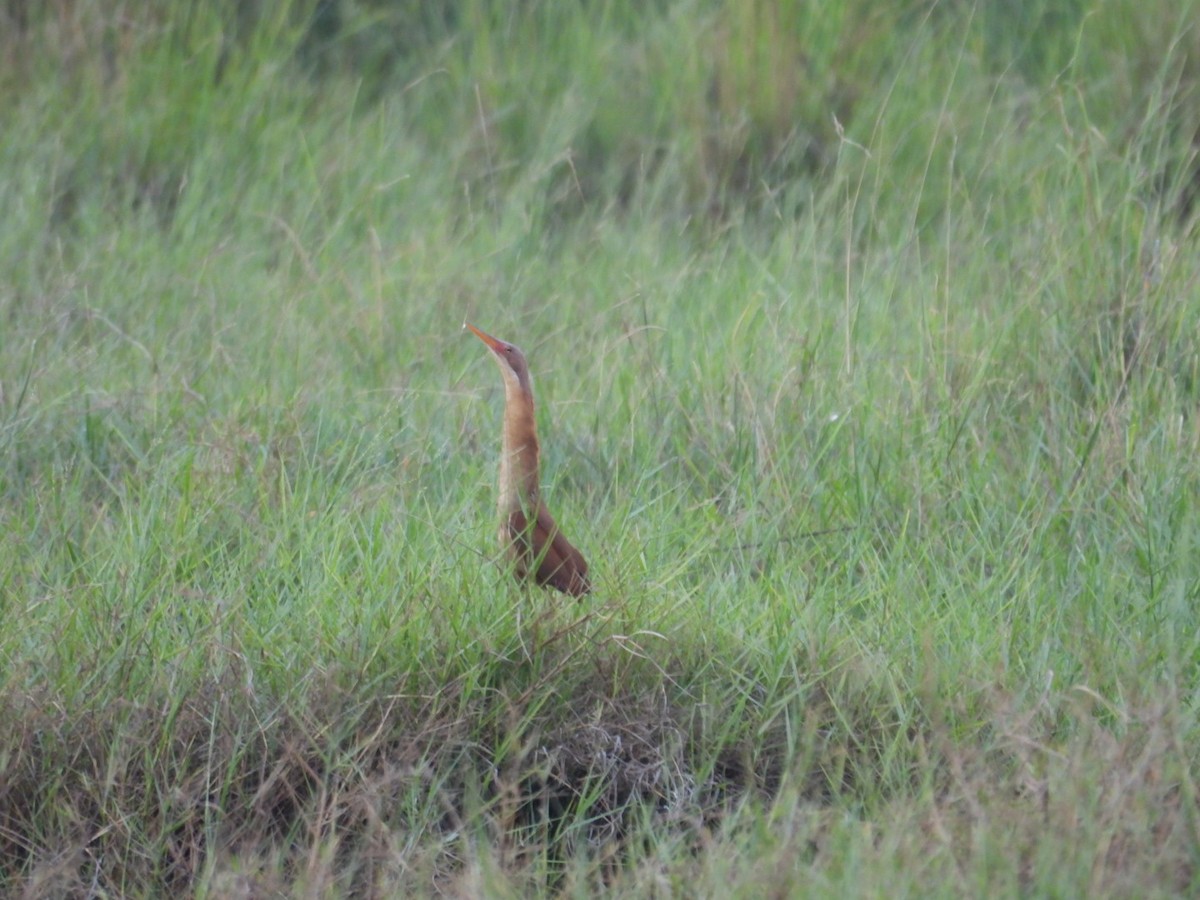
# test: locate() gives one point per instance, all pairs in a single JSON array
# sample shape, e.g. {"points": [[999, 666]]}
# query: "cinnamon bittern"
{"points": [[528, 533]]}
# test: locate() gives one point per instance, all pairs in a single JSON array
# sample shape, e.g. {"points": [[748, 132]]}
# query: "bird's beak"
{"points": [[497, 346]]}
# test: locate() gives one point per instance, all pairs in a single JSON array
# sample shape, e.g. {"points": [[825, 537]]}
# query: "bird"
{"points": [[528, 533]]}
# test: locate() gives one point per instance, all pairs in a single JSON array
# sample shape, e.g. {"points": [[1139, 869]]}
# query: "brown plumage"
{"points": [[528, 533]]}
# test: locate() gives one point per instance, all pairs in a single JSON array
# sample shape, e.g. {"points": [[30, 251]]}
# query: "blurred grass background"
{"points": [[865, 344]]}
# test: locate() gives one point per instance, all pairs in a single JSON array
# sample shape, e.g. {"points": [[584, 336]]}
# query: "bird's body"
{"points": [[528, 533]]}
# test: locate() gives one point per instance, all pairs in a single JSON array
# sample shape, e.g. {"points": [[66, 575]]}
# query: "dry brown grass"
{"points": [[610, 791]]}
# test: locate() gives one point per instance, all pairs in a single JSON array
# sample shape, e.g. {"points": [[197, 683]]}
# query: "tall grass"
{"points": [[866, 357]]}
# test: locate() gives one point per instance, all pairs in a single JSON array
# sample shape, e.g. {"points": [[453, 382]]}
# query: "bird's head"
{"points": [[510, 359]]}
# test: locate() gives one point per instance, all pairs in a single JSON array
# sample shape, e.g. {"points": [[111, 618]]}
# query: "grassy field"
{"points": [[867, 354]]}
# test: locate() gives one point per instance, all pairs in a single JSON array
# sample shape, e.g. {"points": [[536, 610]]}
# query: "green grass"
{"points": [[867, 363]]}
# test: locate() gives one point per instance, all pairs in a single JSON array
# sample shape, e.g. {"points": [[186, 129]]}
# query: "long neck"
{"points": [[519, 456]]}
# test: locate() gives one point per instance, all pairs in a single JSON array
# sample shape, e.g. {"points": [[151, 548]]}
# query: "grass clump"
{"points": [[867, 369]]}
